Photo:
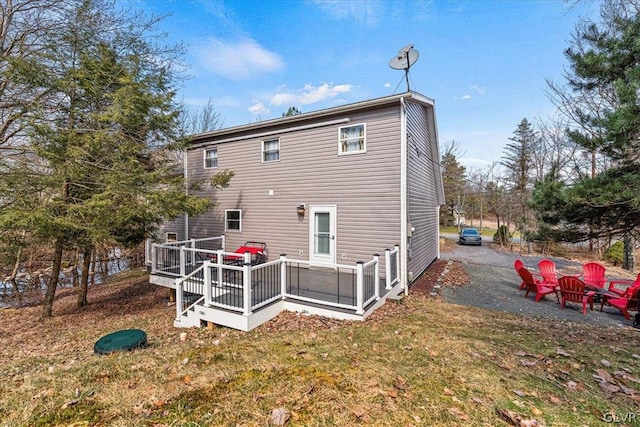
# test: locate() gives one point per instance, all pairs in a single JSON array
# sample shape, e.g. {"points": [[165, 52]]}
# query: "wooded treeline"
{"points": [[573, 177], [89, 131]]}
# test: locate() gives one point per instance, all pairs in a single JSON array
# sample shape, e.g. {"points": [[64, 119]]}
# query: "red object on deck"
{"points": [[258, 251]]}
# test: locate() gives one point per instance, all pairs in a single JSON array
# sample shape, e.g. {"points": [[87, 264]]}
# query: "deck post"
{"points": [[183, 261], [376, 275], [387, 268], [246, 279], [207, 283], [359, 288], [397, 249], [179, 299], [193, 253], [223, 241], [154, 258], [220, 262], [283, 275]]}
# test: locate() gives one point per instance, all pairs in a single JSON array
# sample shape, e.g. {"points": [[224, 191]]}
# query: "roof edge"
{"points": [[391, 99]]}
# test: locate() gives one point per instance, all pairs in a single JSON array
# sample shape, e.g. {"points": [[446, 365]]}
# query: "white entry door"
{"points": [[322, 235]]}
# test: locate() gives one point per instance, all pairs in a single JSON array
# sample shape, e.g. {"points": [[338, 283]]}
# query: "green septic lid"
{"points": [[127, 339]]}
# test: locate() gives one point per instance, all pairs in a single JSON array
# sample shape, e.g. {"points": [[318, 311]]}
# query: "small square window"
{"points": [[211, 158], [352, 139], [233, 220], [271, 150], [171, 237]]}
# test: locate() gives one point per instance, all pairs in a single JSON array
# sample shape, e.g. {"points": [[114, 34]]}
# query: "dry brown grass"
{"points": [[417, 362]]}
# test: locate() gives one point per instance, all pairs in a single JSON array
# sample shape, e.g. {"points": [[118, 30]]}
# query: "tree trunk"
{"points": [[84, 280], [628, 259], [14, 274], [94, 260], [47, 306]]}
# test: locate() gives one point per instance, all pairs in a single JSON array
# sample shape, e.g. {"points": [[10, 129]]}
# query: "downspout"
{"points": [[438, 232], [186, 190], [403, 197]]}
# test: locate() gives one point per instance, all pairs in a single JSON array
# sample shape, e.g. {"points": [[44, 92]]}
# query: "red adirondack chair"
{"points": [[518, 264], [593, 274], [618, 291], [540, 287], [548, 271], [573, 289], [627, 301]]}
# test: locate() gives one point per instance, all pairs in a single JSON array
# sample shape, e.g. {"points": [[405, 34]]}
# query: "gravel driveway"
{"points": [[494, 285]]}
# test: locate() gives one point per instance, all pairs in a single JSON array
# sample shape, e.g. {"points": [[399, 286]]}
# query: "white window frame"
{"points": [[264, 160], [205, 157], [171, 236], [226, 220], [341, 152]]}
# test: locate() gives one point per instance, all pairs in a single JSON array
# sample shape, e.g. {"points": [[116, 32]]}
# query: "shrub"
{"points": [[615, 253], [502, 235]]}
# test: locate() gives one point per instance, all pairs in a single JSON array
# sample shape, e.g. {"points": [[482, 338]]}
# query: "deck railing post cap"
{"points": [[360, 262], [376, 254], [283, 255]]}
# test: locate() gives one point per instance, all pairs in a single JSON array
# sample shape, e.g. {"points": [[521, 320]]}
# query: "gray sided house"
{"points": [[329, 187]]}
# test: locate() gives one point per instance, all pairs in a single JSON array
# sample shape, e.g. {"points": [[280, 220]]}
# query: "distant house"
{"points": [[329, 187]]}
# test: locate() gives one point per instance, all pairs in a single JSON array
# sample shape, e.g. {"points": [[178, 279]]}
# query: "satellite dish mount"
{"points": [[406, 57]]}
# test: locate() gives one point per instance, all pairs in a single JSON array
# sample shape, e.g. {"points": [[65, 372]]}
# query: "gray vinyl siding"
{"points": [[365, 188], [422, 187], [176, 226]]}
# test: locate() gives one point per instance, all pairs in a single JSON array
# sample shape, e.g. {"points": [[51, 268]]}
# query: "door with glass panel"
{"points": [[322, 235]]}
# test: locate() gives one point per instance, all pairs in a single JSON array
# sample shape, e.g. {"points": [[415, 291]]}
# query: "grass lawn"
{"points": [[418, 362]]}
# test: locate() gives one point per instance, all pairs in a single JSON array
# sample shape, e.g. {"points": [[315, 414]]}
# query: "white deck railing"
{"points": [[170, 257], [227, 280], [245, 288]]}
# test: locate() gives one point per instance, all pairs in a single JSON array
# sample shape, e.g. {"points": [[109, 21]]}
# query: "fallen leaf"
{"points": [[280, 416], [186, 379]]}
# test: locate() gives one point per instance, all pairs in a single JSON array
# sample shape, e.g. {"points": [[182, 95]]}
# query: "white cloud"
{"points": [[258, 108], [362, 12], [465, 97], [387, 84], [239, 59], [310, 94], [478, 89]]}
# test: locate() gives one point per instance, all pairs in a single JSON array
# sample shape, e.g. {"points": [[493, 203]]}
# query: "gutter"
{"points": [[403, 197]]}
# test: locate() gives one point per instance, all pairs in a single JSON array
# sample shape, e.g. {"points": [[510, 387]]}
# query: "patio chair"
{"points": [[573, 289], [548, 271], [620, 292], [593, 275], [518, 264], [627, 301], [540, 287]]}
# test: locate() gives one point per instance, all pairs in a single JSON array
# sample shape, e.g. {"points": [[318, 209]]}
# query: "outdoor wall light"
{"points": [[300, 209]]}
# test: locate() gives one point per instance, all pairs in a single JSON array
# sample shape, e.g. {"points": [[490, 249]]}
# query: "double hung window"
{"points": [[233, 220], [270, 150], [351, 139], [211, 158]]}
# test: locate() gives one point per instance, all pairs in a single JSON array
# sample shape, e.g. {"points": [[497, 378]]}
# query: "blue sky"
{"points": [[483, 62]]}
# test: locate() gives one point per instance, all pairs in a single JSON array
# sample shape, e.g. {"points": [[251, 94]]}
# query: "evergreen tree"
{"points": [[518, 164], [453, 181], [99, 169], [605, 73]]}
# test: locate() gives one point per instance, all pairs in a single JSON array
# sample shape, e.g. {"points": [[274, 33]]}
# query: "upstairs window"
{"points": [[211, 158], [271, 150], [233, 220], [352, 139]]}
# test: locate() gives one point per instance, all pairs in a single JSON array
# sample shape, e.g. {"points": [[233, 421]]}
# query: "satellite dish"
{"points": [[406, 57]]}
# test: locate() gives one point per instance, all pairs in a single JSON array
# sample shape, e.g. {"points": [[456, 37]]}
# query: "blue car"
{"points": [[470, 236]]}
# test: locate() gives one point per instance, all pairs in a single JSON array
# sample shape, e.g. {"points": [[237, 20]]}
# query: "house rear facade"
{"points": [[331, 186]]}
